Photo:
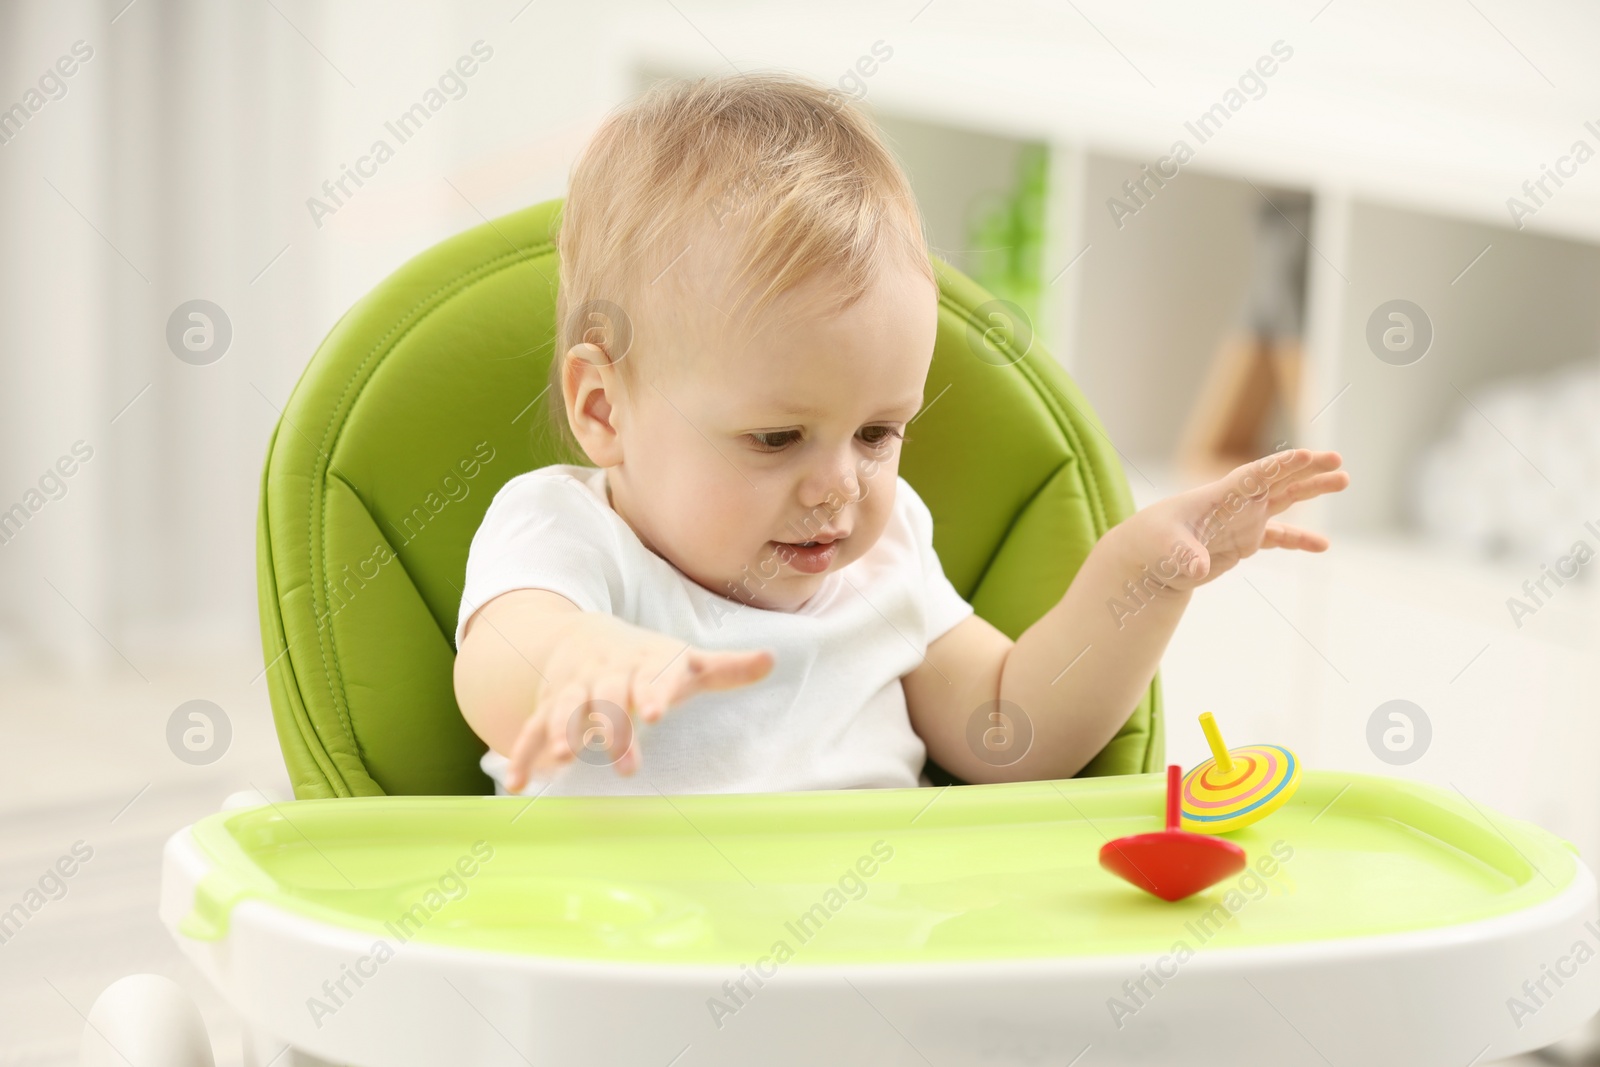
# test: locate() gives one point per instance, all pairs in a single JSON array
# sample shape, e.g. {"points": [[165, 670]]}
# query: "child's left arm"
{"points": [[1066, 686]]}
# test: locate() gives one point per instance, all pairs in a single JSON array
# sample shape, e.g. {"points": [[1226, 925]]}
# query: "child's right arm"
{"points": [[530, 660]]}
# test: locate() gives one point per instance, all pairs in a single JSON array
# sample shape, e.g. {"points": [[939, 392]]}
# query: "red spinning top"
{"points": [[1172, 863]]}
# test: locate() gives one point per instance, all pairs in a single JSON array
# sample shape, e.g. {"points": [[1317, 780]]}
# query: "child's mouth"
{"points": [[808, 557]]}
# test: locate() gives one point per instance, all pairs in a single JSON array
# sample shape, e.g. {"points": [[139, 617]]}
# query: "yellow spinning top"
{"points": [[1235, 788]]}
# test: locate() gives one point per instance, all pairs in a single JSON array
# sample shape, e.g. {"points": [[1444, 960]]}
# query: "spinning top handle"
{"points": [[1174, 780], [1219, 751]]}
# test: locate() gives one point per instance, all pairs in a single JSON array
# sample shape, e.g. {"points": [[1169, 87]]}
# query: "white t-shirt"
{"points": [[831, 713]]}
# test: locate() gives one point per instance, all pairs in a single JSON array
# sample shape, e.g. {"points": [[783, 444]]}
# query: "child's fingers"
{"points": [[1281, 535], [706, 669], [698, 670], [659, 690], [1316, 463], [1253, 478], [567, 703], [645, 689], [628, 762], [1312, 485], [1255, 482], [1274, 470], [654, 685], [609, 713], [531, 735], [543, 742], [640, 700], [623, 749], [613, 688]]}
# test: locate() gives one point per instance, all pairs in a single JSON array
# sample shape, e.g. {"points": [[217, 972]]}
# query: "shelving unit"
{"points": [[1135, 308]]}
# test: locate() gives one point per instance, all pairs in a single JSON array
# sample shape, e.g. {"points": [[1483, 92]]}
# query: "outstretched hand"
{"points": [[625, 672], [1192, 537]]}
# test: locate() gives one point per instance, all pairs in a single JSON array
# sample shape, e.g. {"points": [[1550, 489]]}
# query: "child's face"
{"points": [[754, 442]]}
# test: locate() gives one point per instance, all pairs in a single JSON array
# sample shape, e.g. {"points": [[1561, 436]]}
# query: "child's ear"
{"points": [[589, 383]]}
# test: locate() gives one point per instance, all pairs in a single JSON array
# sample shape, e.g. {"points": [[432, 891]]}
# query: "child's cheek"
{"points": [[719, 518]]}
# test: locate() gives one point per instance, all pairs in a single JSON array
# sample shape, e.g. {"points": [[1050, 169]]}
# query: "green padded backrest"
{"points": [[426, 397]]}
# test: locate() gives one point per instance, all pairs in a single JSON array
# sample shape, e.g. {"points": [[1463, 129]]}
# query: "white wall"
{"points": [[191, 141]]}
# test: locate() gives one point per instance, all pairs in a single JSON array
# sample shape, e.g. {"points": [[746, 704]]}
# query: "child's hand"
{"points": [[627, 667], [1191, 538]]}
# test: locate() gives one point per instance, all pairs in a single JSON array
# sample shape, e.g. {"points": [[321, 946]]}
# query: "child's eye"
{"points": [[778, 440], [774, 440], [878, 435]]}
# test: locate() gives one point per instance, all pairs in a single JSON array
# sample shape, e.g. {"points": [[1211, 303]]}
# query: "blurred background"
{"points": [[1332, 223]]}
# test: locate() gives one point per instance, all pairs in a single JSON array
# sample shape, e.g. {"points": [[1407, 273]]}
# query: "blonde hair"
{"points": [[803, 172]]}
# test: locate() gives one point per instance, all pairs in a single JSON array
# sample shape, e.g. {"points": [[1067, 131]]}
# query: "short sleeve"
{"points": [[543, 531], [945, 607]]}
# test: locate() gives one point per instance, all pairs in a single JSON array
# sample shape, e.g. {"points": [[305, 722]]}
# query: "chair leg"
{"points": [[1581, 1048], [145, 1018]]}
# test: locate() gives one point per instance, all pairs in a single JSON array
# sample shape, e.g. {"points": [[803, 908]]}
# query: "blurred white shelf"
{"points": [[1442, 109]]}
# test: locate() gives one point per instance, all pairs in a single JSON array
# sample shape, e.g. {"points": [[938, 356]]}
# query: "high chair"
{"points": [[395, 914]]}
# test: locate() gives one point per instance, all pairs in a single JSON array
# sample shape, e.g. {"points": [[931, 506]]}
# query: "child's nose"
{"points": [[835, 479]]}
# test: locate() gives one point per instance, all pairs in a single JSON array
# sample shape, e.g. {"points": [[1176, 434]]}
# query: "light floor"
{"points": [[89, 762]]}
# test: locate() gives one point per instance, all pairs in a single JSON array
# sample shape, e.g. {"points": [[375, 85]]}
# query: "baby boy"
{"points": [[741, 593]]}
